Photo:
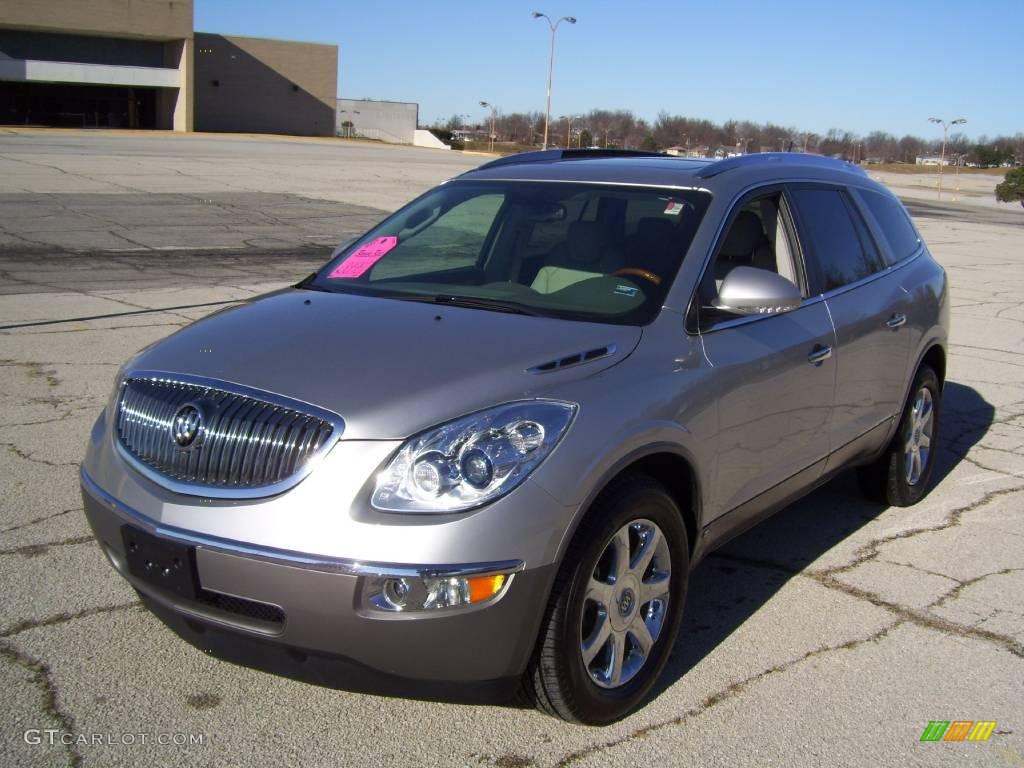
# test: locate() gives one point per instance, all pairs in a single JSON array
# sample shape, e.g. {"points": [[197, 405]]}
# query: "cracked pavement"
{"points": [[828, 635]]}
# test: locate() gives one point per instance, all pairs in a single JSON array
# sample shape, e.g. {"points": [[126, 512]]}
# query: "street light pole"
{"points": [[493, 113], [945, 136], [568, 138], [959, 159], [551, 64]]}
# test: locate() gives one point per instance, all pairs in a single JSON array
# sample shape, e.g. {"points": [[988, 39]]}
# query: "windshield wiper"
{"points": [[472, 302], [477, 302]]}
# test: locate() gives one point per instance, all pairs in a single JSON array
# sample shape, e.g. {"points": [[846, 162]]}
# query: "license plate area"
{"points": [[168, 565]]}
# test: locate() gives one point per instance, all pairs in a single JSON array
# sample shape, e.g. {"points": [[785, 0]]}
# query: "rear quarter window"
{"points": [[897, 229]]}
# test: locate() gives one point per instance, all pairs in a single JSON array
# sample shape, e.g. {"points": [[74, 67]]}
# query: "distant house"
{"points": [[701, 151], [724, 151], [933, 160]]}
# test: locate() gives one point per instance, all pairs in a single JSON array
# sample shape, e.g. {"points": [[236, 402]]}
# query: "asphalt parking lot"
{"points": [[830, 635]]}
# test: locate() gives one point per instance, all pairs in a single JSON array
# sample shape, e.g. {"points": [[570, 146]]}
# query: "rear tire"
{"points": [[612, 618], [900, 476]]}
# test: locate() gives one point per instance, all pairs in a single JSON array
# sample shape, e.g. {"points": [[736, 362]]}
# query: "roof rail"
{"points": [[768, 158], [550, 155]]}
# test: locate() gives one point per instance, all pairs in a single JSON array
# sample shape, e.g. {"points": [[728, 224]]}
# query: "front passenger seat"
{"points": [[586, 252], [745, 245]]}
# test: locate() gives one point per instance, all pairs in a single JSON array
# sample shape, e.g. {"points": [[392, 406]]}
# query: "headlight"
{"points": [[472, 460]]}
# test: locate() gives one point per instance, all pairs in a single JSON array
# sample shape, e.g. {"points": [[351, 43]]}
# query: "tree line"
{"points": [[622, 129]]}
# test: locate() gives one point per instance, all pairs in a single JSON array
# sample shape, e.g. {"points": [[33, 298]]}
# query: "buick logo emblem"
{"points": [[626, 602], [187, 427]]}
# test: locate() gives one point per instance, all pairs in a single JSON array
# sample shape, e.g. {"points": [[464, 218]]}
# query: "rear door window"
{"points": [[898, 231], [838, 255]]}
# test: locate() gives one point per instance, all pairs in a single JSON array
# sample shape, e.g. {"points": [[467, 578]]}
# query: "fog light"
{"points": [[428, 593], [453, 591], [396, 593]]}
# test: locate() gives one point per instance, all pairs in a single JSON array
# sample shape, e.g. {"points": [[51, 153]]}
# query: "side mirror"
{"points": [[752, 291]]}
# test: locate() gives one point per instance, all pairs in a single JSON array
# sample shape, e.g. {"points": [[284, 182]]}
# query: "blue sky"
{"points": [[813, 65]]}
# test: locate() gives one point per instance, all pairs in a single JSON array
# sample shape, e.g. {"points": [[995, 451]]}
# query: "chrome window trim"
{"points": [[213, 492], [341, 565], [870, 278]]}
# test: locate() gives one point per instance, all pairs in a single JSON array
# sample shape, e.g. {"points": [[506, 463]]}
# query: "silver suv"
{"points": [[488, 442]]}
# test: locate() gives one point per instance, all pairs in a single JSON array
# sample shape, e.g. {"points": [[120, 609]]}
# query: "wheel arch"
{"points": [[935, 358], [668, 465]]}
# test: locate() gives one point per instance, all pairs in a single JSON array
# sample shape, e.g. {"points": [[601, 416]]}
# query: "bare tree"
{"points": [[620, 128]]}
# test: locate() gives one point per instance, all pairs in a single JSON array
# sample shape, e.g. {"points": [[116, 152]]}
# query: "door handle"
{"points": [[819, 355], [897, 319]]}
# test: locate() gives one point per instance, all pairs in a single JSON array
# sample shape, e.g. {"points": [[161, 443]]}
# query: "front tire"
{"points": [[615, 608], [901, 475]]}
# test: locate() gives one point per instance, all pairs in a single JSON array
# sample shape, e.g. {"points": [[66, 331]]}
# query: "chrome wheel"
{"points": [[919, 440], [625, 603]]}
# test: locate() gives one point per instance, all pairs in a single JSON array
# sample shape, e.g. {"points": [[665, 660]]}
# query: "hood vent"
{"points": [[578, 359]]}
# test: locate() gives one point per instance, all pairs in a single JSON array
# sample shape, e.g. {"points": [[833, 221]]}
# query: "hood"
{"points": [[389, 368]]}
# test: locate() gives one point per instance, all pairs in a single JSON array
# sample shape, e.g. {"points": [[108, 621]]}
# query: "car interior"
{"points": [[757, 238], [594, 250]]}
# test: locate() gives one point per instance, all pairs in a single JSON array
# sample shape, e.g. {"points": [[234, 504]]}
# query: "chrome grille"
{"points": [[246, 442]]}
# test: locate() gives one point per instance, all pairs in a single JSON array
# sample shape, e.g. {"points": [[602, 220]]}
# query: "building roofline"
{"points": [[378, 101], [267, 39]]}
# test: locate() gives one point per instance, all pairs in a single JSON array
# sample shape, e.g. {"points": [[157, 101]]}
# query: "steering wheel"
{"points": [[645, 274]]}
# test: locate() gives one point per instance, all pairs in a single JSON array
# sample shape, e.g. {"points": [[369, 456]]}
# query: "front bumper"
{"points": [[314, 603]]}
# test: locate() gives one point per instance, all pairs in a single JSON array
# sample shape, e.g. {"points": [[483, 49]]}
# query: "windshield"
{"points": [[576, 251]]}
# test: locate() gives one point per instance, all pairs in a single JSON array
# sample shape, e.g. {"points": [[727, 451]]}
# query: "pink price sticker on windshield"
{"points": [[364, 257]]}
